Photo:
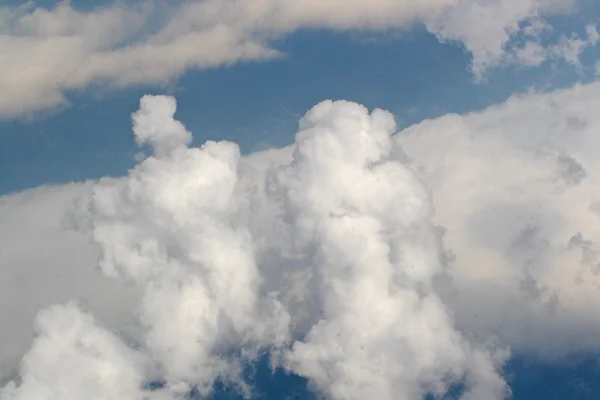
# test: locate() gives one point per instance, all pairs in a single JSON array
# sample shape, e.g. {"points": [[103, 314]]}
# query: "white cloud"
{"points": [[177, 228], [570, 49], [73, 358], [192, 229], [516, 187], [361, 221], [324, 253], [43, 262], [593, 35], [531, 54], [47, 53], [487, 27], [154, 124]]}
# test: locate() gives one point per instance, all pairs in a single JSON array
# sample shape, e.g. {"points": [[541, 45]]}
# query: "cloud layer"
{"points": [[48, 52]]}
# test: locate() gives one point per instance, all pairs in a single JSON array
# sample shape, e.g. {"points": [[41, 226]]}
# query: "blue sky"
{"points": [[529, 379], [257, 104], [409, 71]]}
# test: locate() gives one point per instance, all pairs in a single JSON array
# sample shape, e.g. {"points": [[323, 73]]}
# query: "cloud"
{"points": [[343, 295], [176, 227], [489, 29], [516, 188], [570, 49], [43, 262], [47, 53], [371, 263], [73, 358], [362, 222]]}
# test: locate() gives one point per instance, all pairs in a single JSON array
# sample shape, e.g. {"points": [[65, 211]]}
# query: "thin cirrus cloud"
{"points": [[370, 263], [48, 52]]}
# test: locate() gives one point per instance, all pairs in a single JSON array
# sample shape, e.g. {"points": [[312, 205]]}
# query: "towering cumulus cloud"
{"points": [[177, 227], [325, 258], [362, 220]]}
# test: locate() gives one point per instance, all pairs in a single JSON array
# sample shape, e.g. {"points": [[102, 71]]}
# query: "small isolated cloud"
{"points": [[49, 52]]}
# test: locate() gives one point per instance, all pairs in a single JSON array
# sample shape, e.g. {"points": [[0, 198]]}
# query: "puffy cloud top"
{"points": [[190, 229], [373, 263]]}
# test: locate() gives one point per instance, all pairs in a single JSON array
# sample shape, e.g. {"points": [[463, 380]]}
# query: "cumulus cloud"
{"points": [[371, 263], [43, 262], [177, 228], [191, 228], [73, 358], [48, 52], [364, 222]]}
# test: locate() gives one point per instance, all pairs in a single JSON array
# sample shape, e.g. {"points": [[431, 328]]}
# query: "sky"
{"points": [[269, 199]]}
